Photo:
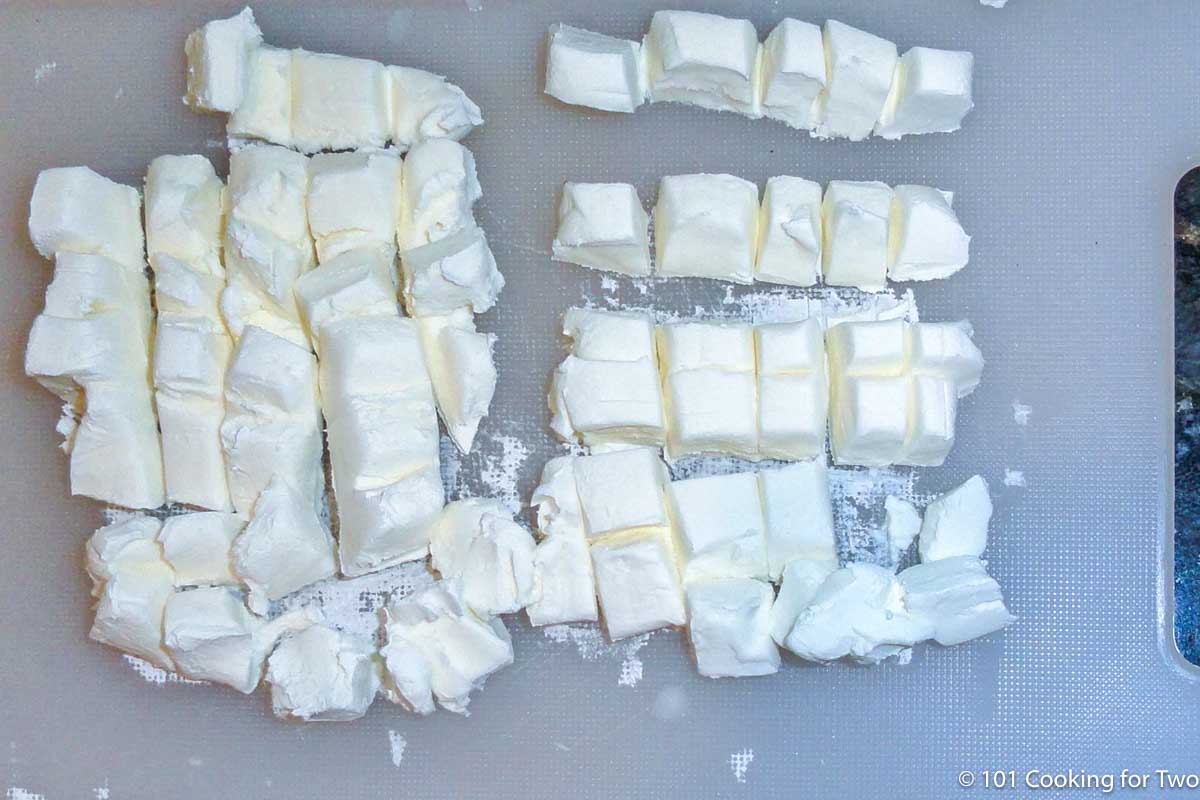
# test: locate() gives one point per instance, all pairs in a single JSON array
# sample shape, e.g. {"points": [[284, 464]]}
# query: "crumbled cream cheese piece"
{"points": [[799, 582], [427, 106], [462, 370], [353, 202], [320, 674], [453, 272], [956, 524], [477, 542], [357, 283], [902, 523], [957, 597], [438, 189]]}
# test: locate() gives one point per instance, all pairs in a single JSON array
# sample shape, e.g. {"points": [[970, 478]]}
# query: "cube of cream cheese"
{"points": [[607, 401], [73, 209], [217, 55], [711, 411], [266, 109], [793, 392], [461, 369], [789, 232], [610, 335], [356, 283], [197, 546], [322, 675], [353, 202], [931, 93], [956, 524], [799, 582], [603, 226], [637, 584], [556, 499], [925, 239], [859, 68], [477, 543], [703, 60], [439, 186], [869, 422], [855, 238], [688, 346], [427, 106], [797, 515], [594, 70], [933, 407], [706, 226], [871, 348], [563, 582], [957, 597], [945, 349], [621, 490], [338, 103], [729, 624], [793, 73], [450, 273], [184, 210], [719, 525]]}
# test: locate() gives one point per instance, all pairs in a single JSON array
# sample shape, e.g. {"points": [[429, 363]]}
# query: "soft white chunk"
{"points": [[703, 60], [323, 675], [699, 345], [789, 232], [462, 371], [603, 226], [956, 596], [706, 226], [956, 524], [128, 543], [357, 283], [353, 202], [797, 514], [610, 335], [869, 423], [266, 108], [791, 416], [729, 622], [932, 409], [711, 411], [793, 73], [427, 106], [719, 524], [607, 401], [930, 93], [562, 582], [477, 542], [855, 246], [197, 546], [452, 272], [799, 583], [184, 210], [338, 103], [637, 584], [925, 239], [621, 490], [439, 187], [556, 499], [902, 523], [217, 56], [859, 69], [945, 349], [594, 70], [75, 210], [873, 348], [783, 348]]}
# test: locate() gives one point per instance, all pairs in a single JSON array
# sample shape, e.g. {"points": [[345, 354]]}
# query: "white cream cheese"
{"points": [[356, 283], [706, 226], [799, 582], [621, 490], [719, 526], [338, 103], [704, 60], [462, 370], [855, 249], [265, 112], [217, 55], [439, 187], [453, 272], [793, 391], [197, 546], [901, 523], [956, 524], [603, 226], [563, 583], [859, 71], [323, 675], [594, 70], [789, 232], [477, 542], [729, 627], [637, 584], [925, 239], [957, 597], [793, 74], [797, 514], [427, 106], [353, 202], [931, 93]]}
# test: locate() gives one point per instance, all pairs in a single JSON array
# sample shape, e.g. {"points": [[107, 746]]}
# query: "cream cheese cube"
{"points": [[180, 289], [610, 335], [556, 499], [719, 525], [462, 371], [86, 286], [427, 106], [792, 416], [956, 524], [197, 546], [73, 209], [859, 69], [477, 542], [439, 187], [338, 103], [594, 70], [729, 627], [452, 272], [379, 440], [356, 283], [322, 675], [607, 401], [266, 109], [637, 584], [562, 582], [945, 349], [353, 202], [925, 239], [711, 411], [193, 461], [603, 226], [388, 525], [783, 348], [706, 226], [870, 348], [688, 346], [793, 73], [703, 60], [933, 406], [855, 247], [129, 543], [190, 357], [217, 54], [957, 597], [931, 93], [789, 232], [797, 515], [184, 211], [869, 422], [621, 490], [799, 583]]}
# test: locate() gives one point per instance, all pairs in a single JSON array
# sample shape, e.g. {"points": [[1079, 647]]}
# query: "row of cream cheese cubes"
{"points": [[317, 101], [856, 233], [888, 388], [835, 82]]}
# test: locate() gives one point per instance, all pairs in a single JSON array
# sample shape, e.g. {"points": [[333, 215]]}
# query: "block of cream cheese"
{"points": [[932, 408], [439, 186], [859, 70], [706, 226], [75, 210], [799, 582], [719, 525], [594, 70], [925, 239], [265, 112], [556, 499], [217, 55], [931, 93], [901, 523], [563, 583], [857, 613], [610, 335], [621, 490], [353, 202], [874, 348], [793, 393], [855, 242], [603, 226], [793, 73], [956, 524], [868, 425], [703, 60], [338, 103], [212, 637], [637, 584], [455, 271], [789, 232], [461, 369], [356, 283], [729, 624], [427, 106], [957, 597], [184, 209], [945, 349], [323, 675], [797, 514], [197, 546], [437, 647], [476, 542], [283, 548], [607, 401]]}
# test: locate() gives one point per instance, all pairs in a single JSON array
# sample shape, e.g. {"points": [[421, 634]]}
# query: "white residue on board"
{"points": [[499, 473], [17, 793], [1021, 412], [1014, 477], [591, 645], [739, 762], [44, 70], [100, 792], [156, 675], [397, 744]]}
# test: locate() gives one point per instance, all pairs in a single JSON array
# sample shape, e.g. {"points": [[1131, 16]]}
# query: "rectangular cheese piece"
{"points": [[603, 226], [793, 73], [945, 349], [798, 514], [729, 624], [869, 422], [607, 401], [357, 283], [563, 582], [621, 490], [703, 60], [932, 407], [462, 370], [217, 56], [956, 523], [453, 272], [789, 232], [427, 106], [859, 69], [931, 93], [197, 546], [793, 392], [338, 103], [439, 187], [957, 597], [265, 112], [594, 70], [637, 584], [925, 239], [353, 202], [610, 335], [876, 348], [718, 523], [706, 226], [856, 217], [75, 210]]}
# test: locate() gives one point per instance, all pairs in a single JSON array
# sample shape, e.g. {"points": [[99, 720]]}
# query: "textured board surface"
{"points": [[1085, 119]]}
